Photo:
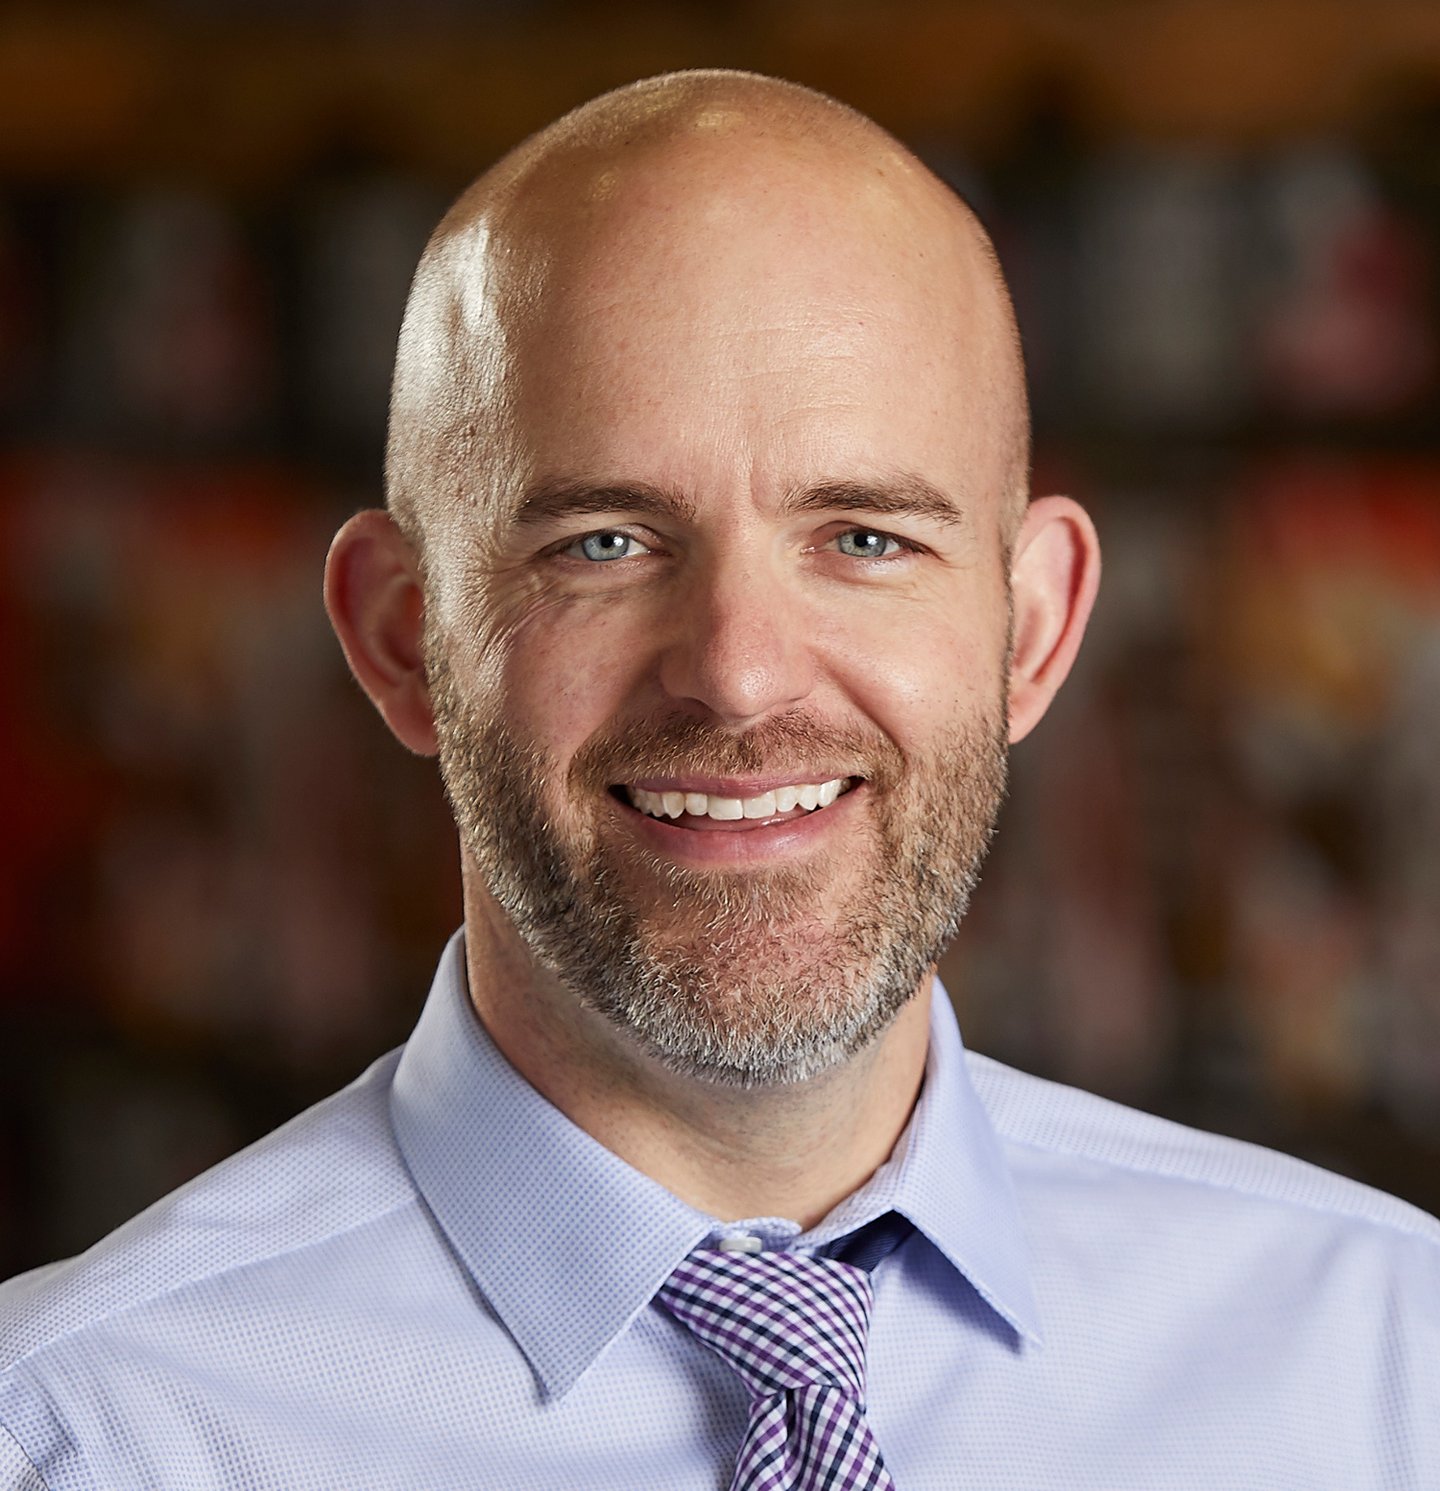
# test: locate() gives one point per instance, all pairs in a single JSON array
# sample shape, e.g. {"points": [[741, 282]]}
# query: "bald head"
{"points": [[726, 204], [709, 429]]}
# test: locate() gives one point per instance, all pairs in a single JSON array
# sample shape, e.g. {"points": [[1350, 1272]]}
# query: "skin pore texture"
{"points": [[708, 574]]}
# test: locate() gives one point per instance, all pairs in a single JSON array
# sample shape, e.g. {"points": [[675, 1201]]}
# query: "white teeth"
{"points": [[727, 809]]}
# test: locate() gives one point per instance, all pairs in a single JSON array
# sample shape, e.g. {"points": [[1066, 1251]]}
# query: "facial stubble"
{"points": [[747, 977]]}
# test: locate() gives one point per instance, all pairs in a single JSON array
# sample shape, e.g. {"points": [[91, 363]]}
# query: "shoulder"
{"points": [[329, 1171], [1054, 1130]]}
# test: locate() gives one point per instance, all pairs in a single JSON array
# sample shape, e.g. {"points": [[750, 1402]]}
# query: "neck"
{"points": [[790, 1150]]}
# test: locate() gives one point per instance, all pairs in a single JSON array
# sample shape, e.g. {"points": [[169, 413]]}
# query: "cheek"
{"points": [[920, 671], [569, 671]]}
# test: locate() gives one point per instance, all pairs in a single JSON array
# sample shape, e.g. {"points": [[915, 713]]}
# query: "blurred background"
{"points": [[1216, 891]]}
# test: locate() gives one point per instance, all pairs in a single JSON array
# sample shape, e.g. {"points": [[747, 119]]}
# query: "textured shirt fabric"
{"points": [[434, 1280]]}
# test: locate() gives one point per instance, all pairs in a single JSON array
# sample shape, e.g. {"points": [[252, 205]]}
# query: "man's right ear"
{"points": [[376, 604]]}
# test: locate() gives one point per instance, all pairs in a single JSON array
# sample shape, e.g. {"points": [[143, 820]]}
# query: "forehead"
{"points": [[794, 323]]}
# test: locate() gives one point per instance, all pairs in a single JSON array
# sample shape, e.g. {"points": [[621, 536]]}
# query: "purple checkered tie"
{"points": [[795, 1329]]}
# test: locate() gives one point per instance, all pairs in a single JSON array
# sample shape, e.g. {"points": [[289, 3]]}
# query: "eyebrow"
{"points": [[551, 500], [903, 495]]}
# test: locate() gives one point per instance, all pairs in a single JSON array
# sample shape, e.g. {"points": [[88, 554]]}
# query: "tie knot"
{"points": [[781, 1320]]}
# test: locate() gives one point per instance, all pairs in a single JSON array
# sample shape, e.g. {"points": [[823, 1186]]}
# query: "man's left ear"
{"points": [[1054, 571]]}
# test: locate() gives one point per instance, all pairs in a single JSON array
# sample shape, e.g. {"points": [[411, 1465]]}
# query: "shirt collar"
{"points": [[949, 1176], [568, 1243]]}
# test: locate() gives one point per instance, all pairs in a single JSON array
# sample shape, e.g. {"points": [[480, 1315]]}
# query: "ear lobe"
{"points": [[376, 605], [1055, 571]]}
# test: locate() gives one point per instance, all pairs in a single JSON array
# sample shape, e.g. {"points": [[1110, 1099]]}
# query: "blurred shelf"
{"points": [[245, 95]]}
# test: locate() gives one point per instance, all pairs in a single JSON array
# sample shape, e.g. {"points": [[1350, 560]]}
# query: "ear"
{"points": [[1054, 573], [376, 604]]}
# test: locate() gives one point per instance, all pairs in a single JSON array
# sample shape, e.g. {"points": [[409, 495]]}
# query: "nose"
{"points": [[737, 648]]}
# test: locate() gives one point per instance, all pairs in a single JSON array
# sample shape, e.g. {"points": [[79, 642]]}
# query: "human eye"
{"points": [[867, 543], [605, 545]]}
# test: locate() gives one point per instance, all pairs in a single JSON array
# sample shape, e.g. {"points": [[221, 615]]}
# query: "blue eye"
{"points": [[606, 545], [863, 543]]}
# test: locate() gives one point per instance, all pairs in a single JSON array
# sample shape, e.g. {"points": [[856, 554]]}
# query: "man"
{"points": [[710, 576]]}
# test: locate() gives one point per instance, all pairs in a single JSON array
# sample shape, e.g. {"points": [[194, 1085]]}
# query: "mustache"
{"points": [[677, 745]]}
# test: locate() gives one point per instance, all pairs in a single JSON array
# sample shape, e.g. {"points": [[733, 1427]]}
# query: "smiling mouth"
{"points": [[795, 799]]}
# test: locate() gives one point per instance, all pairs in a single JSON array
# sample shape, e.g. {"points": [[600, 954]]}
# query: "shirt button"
{"points": [[740, 1242]]}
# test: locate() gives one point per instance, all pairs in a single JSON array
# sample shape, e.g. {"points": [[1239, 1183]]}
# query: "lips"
{"points": [[792, 798]]}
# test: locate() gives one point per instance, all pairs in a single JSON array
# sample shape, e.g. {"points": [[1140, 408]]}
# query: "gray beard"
{"points": [[741, 977]]}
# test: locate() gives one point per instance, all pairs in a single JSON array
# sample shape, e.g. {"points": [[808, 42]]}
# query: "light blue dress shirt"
{"points": [[434, 1280]]}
